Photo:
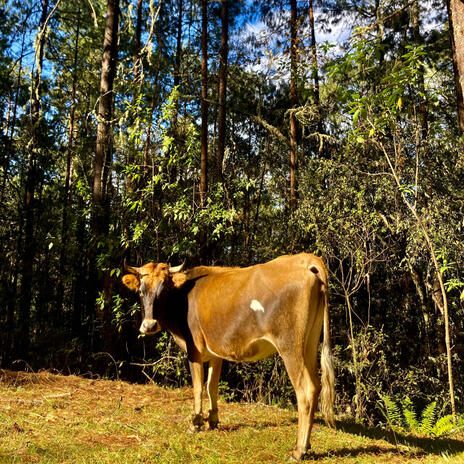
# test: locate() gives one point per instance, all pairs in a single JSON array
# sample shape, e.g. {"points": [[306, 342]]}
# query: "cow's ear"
{"points": [[179, 279], [131, 282]]}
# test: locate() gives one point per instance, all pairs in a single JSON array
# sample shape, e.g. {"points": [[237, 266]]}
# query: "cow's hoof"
{"points": [[212, 425], [299, 456], [197, 423], [213, 419]]}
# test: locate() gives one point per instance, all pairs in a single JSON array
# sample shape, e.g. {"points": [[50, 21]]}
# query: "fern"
{"points": [[428, 419], [444, 426], [402, 417], [410, 416], [392, 413]]}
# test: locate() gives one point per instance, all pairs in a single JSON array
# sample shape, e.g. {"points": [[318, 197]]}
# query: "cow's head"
{"points": [[152, 281]]}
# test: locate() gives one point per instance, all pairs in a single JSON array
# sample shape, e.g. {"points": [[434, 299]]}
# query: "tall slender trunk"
{"points": [[29, 248], [204, 103], [103, 150], [178, 60], [315, 71], [137, 45], [67, 182], [423, 109], [293, 104], [204, 121], [101, 173], [176, 134], [137, 80], [223, 57], [456, 21]]}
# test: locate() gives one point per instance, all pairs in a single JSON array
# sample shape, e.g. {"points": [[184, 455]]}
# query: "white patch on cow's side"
{"points": [[255, 305]]}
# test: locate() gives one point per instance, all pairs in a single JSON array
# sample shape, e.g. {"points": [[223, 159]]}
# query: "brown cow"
{"points": [[245, 314]]}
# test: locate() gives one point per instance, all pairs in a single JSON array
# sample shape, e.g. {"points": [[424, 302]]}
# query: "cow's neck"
{"points": [[174, 317]]}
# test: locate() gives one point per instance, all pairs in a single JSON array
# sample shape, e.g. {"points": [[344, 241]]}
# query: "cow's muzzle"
{"points": [[150, 327]]}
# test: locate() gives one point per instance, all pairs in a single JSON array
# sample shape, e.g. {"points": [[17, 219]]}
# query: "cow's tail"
{"points": [[327, 396]]}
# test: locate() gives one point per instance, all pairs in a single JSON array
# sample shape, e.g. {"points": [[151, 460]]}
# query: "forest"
{"points": [[230, 133]]}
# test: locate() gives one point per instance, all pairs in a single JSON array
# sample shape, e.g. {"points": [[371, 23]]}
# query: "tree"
{"points": [[293, 104], [204, 117], [103, 150], [223, 70], [456, 20]]}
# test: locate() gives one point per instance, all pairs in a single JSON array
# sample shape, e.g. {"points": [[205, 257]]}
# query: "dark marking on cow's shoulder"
{"points": [[314, 269]]}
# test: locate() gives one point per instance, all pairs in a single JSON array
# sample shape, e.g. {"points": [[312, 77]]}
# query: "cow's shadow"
{"points": [[416, 446], [422, 446]]}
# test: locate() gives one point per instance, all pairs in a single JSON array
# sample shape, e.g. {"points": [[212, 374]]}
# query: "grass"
{"points": [[47, 418]]}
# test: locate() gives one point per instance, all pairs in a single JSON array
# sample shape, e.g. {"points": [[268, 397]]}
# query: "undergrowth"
{"points": [[401, 416]]}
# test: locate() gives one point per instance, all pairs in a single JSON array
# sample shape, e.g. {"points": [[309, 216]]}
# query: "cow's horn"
{"points": [[175, 269], [132, 270]]}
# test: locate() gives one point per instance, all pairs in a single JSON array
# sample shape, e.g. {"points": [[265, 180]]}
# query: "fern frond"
{"points": [[392, 413], [444, 426], [411, 422], [428, 419]]}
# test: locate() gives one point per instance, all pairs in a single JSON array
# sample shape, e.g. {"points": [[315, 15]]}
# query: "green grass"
{"points": [[45, 418]]}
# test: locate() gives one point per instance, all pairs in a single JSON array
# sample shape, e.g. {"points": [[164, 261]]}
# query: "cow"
{"points": [[245, 314]]}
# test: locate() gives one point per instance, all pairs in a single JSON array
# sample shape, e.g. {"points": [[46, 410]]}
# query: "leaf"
{"points": [[360, 139], [399, 103], [444, 426], [428, 418], [410, 415], [355, 116]]}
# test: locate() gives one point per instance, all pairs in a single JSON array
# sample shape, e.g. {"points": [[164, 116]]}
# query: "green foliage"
{"points": [[402, 417]]}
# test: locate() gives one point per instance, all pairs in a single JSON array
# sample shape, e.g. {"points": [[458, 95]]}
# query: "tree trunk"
{"points": [[204, 102], [423, 110], [204, 120], [103, 150], [178, 144], [293, 104], [138, 41], [223, 57], [317, 97], [102, 164], [178, 54], [29, 248], [456, 28]]}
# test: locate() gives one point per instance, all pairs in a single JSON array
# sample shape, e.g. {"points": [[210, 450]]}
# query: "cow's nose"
{"points": [[147, 325]]}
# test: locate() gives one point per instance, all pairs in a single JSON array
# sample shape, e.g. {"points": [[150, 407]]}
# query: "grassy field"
{"points": [[46, 418]]}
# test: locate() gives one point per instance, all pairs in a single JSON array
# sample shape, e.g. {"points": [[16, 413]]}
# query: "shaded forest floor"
{"points": [[46, 418]]}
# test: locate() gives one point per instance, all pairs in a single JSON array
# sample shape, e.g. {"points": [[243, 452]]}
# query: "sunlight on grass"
{"points": [[56, 419]]}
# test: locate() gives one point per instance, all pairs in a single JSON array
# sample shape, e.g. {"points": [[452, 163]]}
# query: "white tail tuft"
{"points": [[327, 397]]}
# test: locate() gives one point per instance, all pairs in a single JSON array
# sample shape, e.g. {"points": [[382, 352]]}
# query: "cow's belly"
{"points": [[254, 351]]}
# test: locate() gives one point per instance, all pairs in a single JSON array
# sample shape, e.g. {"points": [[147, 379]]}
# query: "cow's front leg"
{"points": [[196, 370], [212, 388]]}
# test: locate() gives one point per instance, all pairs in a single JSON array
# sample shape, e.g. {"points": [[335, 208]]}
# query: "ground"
{"points": [[47, 418]]}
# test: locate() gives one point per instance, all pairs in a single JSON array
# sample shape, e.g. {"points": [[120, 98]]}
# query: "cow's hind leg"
{"points": [[196, 369], [301, 381], [314, 384], [212, 388]]}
